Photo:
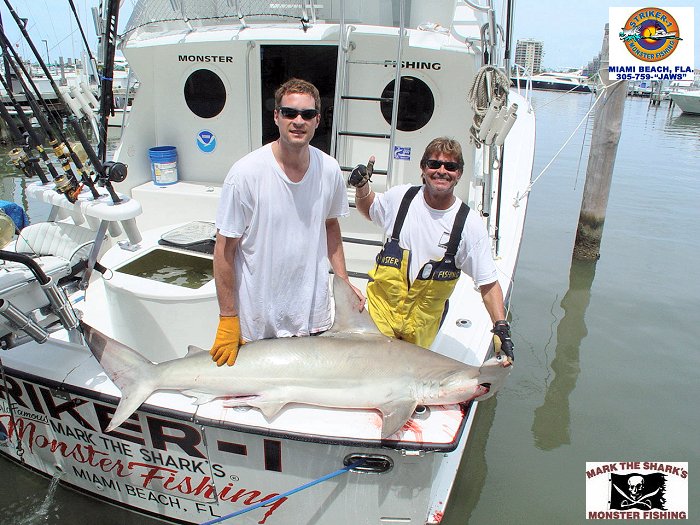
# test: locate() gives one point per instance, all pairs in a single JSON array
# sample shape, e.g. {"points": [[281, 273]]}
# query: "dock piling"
{"points": [[601, 161]]}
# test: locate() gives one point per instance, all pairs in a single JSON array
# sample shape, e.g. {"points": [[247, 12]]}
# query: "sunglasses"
{"points": [[449, 166], [292, 113]]}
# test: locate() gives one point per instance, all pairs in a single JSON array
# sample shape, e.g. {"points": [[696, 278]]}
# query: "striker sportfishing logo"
{"points": [[651, 34]]}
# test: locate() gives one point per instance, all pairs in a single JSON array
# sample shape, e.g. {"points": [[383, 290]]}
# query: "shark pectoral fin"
{"points": [[132, 399], [200, 397], [269, 408], [394, 416]]}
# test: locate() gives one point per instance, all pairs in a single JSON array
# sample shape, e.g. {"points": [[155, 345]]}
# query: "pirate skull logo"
{"points": [[635, 484]]}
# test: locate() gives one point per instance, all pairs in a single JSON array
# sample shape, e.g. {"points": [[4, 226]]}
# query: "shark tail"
{"points": [[127, 369]]}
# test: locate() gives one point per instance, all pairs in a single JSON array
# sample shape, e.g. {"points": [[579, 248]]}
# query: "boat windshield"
{"points": [[370, 12]]}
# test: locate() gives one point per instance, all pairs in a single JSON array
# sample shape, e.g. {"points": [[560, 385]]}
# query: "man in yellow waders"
{"points": [[432, 239]]}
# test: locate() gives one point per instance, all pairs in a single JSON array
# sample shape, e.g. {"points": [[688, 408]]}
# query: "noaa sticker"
{"points": [[206, 141], [637, 490], [651, 34]]}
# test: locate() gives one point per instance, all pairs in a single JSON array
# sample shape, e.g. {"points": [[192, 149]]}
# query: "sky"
{"points": [[572, 31]]}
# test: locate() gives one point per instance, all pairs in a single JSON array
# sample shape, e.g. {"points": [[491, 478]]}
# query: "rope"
{"points": [[490, 83], [555, 99], [583, 144], [288, 493], [603, 91]]}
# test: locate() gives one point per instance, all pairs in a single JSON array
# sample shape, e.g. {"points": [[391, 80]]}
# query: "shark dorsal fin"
{"points": [[347, 317], [194, 350]]}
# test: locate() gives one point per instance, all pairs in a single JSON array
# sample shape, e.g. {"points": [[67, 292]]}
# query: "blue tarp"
{"points": [[16, 213]]}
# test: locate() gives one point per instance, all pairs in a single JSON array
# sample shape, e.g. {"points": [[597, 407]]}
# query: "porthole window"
{"points": [[205, 93], [416, 104]]}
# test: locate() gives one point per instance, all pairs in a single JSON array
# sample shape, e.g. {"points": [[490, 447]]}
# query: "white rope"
{"points": [[603, 91], [481, 94]]}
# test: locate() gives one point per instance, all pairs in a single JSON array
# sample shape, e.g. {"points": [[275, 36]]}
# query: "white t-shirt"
{"points": [[281, 264], [426, 231]]}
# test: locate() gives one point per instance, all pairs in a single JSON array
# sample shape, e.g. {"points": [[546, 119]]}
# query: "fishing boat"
{"points": [[688, 101], [553, 81], [130, 255]]}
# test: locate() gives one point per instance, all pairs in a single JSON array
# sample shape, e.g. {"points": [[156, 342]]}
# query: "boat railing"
{"points": [[523, 74], [219, 11], [307, 12]]}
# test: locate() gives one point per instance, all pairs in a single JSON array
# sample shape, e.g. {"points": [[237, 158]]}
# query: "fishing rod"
{"points": [[7, 46], [22, 158], [102, 174], [82, 34], [63, 183], [109, 34], [66, 184], [62, 148]]}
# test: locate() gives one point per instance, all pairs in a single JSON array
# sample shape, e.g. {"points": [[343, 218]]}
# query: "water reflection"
{"points": [[550, 427], [468, 487], [684, 125]]}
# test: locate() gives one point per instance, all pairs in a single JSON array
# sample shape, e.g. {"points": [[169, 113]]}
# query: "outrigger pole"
{"points": [[506, 64], [106, 172], [82, 34], [109, 35]]}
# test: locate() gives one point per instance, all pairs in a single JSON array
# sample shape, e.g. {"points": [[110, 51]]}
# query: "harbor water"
{"points": [[606, 353]]}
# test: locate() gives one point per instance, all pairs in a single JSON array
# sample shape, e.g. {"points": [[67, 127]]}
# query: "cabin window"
{"points": [[416, 104], [205, 93]]}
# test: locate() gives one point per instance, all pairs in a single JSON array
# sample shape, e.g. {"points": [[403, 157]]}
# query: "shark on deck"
{"points": [[352, 365]]}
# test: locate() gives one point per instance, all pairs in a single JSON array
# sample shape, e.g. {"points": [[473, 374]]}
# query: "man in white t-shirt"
{"points": [[432, 238], [277, 232]]}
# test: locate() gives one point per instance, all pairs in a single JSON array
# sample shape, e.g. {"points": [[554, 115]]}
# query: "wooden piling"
{"points": [[601, 161]]}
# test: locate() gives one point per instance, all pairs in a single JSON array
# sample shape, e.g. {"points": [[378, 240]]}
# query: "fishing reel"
{"points": [[114, 171], [66, 183], [20, 160], [68, 187]]}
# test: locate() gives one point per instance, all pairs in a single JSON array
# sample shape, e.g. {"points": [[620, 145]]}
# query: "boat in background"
{"points": [[688, 101], [131, 257], [552, 81]]}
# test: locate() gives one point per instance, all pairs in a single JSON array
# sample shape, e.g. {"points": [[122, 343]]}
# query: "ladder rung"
{"points": [[368, 242], [385, 63], [370, 99], [374, 172], [367, 135]]}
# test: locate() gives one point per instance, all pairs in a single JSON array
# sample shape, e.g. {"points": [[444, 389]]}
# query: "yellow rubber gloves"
{"points": [[228, 339]]}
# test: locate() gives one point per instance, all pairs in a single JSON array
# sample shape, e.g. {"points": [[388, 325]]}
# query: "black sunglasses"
{"points": [[449, 166], [292, 113]]}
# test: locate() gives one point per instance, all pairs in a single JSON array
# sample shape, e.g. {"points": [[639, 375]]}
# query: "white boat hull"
{"points": [[688, 101], [187, 463], [167, 462]]}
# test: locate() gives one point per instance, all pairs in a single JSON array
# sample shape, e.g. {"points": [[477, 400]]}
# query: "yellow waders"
{"points": [[413, 312]]}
